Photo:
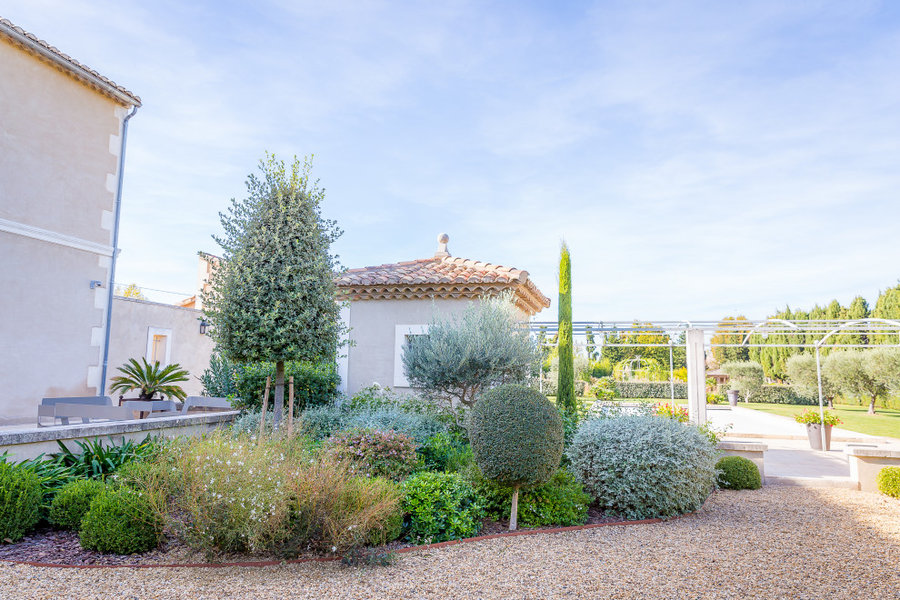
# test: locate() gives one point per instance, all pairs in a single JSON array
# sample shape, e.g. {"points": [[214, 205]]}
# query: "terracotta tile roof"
{"points": [[440, 277], [34, 45]]}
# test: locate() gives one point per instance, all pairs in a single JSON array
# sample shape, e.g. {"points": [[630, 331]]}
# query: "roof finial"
{"points": [[442, 251]]}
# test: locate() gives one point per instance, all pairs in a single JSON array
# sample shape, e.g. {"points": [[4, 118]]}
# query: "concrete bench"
{"points": [[152, 408], [88, 412], [752, 450], [865, 463], [51, 408], [206, 402]]}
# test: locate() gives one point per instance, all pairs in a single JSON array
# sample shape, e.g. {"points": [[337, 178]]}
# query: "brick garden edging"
{"points": [[271, 563]]}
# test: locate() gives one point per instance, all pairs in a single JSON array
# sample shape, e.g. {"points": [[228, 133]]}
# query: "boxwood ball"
{"points": [[516, 435]]}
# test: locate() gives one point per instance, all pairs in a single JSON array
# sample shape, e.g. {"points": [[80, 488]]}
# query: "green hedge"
{"points": [[650, 389], [20, 501], [73, 501], [738, 473], [314, 384], [120, 521], [889, 481], [781, 394]]}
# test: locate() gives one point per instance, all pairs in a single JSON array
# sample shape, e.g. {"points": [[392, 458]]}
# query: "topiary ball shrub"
{"points": [[517, 438], [20, 501], [440, 507], [120, 521], [738, 473], [644, 467], [373, 453], [888, 481], [73, 501]]}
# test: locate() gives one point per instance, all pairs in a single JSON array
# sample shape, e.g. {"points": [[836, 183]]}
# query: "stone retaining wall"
{"points": [[22, 444]]}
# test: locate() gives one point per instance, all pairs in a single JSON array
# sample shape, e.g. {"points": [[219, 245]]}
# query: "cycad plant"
{"points": [[150, 379]]}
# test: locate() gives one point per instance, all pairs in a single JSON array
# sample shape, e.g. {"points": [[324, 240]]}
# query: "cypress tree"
{"points": [[566, 386]]}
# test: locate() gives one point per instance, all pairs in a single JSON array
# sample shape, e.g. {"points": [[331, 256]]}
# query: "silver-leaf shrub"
{"points": [[644, 467]]}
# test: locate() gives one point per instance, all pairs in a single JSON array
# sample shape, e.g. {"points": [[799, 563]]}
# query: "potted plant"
{"points": [[813, 422], [150, 380]]}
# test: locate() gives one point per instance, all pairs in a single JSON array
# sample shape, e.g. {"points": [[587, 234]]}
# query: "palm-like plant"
{"points": [[150, 379]]}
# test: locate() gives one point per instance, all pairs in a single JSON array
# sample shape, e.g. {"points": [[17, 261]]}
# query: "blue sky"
{"points": [[700, 158]]}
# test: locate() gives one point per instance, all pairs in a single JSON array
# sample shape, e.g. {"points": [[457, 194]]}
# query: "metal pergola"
{"points": [[816, 334]]}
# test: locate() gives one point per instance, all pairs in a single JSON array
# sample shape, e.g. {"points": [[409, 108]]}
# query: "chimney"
{"points": [[442, 246]]}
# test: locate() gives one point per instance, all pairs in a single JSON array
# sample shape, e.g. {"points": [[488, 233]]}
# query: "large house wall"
{"points": [[371, 358], [135, 321], [59, 149]]}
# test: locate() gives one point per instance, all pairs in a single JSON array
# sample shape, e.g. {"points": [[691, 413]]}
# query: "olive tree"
{"points": [[863, 373], [272, 296], [461, 356], [802, 373], [745, 376], [517, 439]]}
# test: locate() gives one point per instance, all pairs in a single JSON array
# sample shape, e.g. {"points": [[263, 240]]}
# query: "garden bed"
{"points": [[52, 547]]}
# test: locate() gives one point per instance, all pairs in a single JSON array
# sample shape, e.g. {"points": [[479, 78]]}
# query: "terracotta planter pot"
{"points": [[814, 432]]}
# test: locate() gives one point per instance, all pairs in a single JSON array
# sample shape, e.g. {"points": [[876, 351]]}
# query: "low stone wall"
{"points": [[22, 444], [752, 450], [865, 463]]}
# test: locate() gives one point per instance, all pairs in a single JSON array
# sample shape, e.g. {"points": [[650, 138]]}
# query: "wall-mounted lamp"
{"points": [[96, 283], [203, 326]]}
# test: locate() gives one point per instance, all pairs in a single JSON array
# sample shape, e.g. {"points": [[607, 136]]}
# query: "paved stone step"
{"points": [[821, 482]]}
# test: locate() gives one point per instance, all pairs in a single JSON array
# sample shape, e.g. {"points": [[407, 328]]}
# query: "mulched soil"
{"points": [[63, 548]]}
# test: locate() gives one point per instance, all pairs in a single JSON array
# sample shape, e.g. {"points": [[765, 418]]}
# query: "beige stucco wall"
{"points": [[59, 147], [47, 311], [373, 324], [131, 323]]}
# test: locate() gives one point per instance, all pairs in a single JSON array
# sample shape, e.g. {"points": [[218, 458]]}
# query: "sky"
{"points": [[700, 159]]}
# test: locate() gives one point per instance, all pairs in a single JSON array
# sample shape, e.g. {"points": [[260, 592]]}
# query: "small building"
{"points": [[389, 302], [386, 303], [62, 132], [163, 333]]}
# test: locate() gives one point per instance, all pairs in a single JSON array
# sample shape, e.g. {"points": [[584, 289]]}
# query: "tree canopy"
{"points": [[461, 356], [272, 296]]}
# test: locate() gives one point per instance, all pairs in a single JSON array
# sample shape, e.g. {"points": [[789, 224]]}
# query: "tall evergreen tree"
{"points": [[273, 295], [887, 307], [566, 386]]}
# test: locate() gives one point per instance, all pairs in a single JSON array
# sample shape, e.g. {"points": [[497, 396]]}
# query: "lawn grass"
{"points": [[886, 421]]}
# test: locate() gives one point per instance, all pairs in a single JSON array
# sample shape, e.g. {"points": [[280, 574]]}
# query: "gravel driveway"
{"points": [[758, 544]]}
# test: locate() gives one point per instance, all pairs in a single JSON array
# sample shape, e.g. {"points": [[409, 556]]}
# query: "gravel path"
{"points": [[740, 545]]}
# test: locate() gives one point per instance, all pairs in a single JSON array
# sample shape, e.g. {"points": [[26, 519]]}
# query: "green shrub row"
{"points": [[781, 394], [651, 389]]}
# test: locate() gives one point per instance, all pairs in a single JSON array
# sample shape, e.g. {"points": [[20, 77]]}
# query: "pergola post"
{"points": [[696, 368]]}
